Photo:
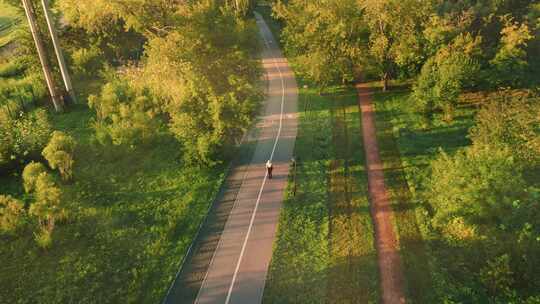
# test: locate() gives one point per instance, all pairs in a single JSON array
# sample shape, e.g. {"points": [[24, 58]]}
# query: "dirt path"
{"points": [[386, 242]]}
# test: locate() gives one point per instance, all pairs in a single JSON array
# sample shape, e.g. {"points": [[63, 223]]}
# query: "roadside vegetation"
{"points": [[458, 125], [100, 203]]}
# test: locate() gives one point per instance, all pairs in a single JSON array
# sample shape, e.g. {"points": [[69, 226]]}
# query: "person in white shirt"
{"points": [[269, 168]]}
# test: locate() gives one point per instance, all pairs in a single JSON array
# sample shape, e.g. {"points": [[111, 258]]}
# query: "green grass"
{"points": [[133, 214], [10, 19], [406, 150], [324, 248]]}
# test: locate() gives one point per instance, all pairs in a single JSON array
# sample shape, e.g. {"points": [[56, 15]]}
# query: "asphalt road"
{"points": [[238, 267]]}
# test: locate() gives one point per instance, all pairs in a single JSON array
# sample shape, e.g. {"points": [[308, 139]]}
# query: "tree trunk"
{"points": [[29, 10], [58, 51]]}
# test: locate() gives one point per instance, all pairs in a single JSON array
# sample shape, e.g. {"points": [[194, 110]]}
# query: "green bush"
{"points": [[24, 136], [125, 115], [47, 206], [59, 153], [43, 238], [30, 174], [12, 69], [11, 214], [87, 61], [497, 276]]}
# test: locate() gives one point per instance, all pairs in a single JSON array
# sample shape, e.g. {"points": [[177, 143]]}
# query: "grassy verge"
{"points": [[134, 212], [9, 20], [406, 151], [324, 249]]}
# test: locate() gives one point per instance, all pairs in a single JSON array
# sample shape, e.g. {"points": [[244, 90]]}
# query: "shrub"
{"points": [[43, 238], [30, 174], [12, 68], [497, 276], [24, 136], [59, 153], [47, 206], [11, 214], [127, 116], [87, 61]]}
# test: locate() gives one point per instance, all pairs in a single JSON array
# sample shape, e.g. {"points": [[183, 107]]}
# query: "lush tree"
{"points": [[510, 121], [11, 214], [47, 207], [445, 75], [478, 184], [148, 17], [510, 63], [211, 89], [395, 34], [326, 36], [59, 153], [87, 61]]}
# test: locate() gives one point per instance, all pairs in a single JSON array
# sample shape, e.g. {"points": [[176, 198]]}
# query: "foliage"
{"points": [[11, 214], [47, 207], [497, 275], [476, 184], [132, 216], [43, 238], [395, 34], [486, 205], [22, 136], [444, 76], [510, 121], [59, 153], [211, 89], [510, 63], [86, 61], [326, 36], [30, 175], [124, 115]]}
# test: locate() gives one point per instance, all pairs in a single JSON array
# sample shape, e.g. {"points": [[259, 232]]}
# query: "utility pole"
{"points": [[58, 51], [29, 10]]}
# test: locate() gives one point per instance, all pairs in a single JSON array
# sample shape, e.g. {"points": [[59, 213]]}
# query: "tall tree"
{"points": [[395, 34], [327, 37]]}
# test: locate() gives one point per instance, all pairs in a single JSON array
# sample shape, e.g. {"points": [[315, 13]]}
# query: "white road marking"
{"points": [[265, 177]]}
